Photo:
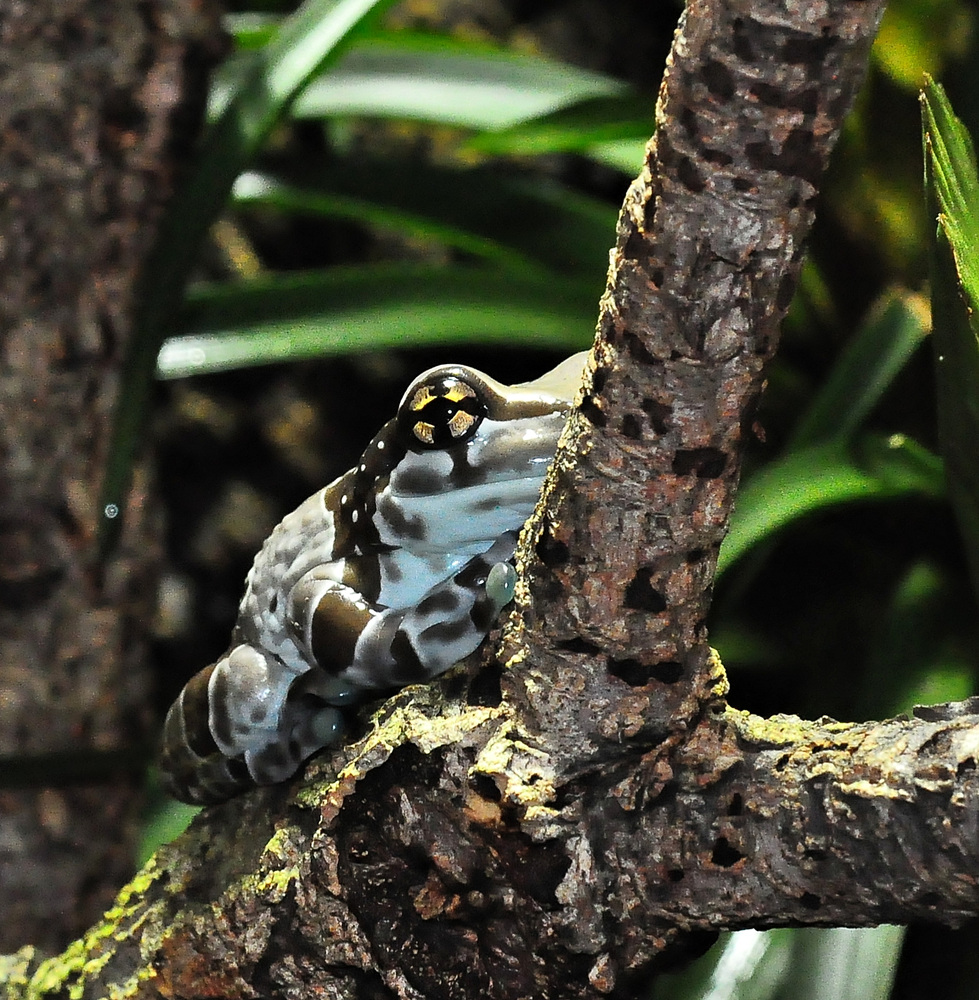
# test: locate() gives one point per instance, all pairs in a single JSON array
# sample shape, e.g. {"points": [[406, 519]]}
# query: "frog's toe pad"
{"points": [[501, 583]]}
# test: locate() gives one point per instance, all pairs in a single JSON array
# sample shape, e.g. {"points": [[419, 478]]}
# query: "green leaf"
{"points": [[826, 475], [587, 124], [952, 188], [520, 104], [251, 29], [253, 189], [800, 963], [438, 79], [865, 370], [349, 309], [953, 184], [522, 224], [305, 44], [626, 155], [841, 963], [167, 820]]}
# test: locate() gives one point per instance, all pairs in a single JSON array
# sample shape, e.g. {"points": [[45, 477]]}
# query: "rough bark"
{"points": [[98, 102], [552, 824]]}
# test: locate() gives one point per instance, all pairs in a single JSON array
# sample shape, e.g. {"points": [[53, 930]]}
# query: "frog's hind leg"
{"points": [[415, 644], [226, 714]]}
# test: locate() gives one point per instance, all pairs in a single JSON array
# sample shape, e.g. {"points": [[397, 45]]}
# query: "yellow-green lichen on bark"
{"points": [[80, 963], [419, 715], [786, 730]]}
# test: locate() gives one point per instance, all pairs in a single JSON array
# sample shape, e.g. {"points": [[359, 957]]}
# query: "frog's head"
{"points": [[473, 452]]}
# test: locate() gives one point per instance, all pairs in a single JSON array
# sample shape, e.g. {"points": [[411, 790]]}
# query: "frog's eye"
{"points": [[443, 410]]}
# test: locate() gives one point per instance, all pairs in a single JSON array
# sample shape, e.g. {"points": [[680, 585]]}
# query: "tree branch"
{"points": [[709, 247], [551, 825]]}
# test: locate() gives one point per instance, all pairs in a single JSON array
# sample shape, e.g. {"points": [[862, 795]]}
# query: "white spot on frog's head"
{"points": [[354, 515]]}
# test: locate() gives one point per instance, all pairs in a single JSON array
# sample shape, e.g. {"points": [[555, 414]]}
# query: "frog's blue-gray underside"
{"points": [[386, 577]]}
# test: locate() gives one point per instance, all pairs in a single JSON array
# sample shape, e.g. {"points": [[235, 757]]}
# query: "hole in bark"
{"points": [[636, 348], [551, 551], [736, 806], [718, 156], [719, 79], [658, 413], [815, 854], [640, 595], [782, 762], [536, 869], [786, 290], [689, 176], [743, 47], [484, 689], [688, 118], [638, 249], [565, 795], [695, 556], [811, 51], [705, 463], [634, 673], [965, 766], [667, 672], [274, 603], [456, 685], [593, 412], [675, 874], [724, 855], [930, 899], [509, 815], [632, 426], [798, 156], [666, 795], [579, 645], [485, 787], [810, 901]]}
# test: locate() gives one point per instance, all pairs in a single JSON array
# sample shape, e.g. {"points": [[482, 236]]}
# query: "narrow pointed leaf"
{"points": [[952, 190], [516, 222], [865, 370], [352, 309], [826, 475], [437, 79], [579, 128]]}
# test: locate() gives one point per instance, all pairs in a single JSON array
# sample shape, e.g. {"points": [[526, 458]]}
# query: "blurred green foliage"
{"points": [[381, 188]]}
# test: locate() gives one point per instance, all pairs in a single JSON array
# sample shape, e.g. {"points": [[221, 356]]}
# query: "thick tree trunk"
{"points": [[99, 100]]}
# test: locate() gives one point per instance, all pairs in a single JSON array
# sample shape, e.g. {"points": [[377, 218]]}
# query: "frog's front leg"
{"points": [[399, 646]]}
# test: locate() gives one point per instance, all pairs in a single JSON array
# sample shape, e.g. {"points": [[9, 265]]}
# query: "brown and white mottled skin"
{"points": [[388, 576]]}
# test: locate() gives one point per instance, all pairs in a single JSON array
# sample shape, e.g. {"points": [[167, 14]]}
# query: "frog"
{"points": [[389, 576]]}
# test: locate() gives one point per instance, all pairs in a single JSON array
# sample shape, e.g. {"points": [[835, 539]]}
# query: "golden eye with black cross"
{"points": [[443, 410]]}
